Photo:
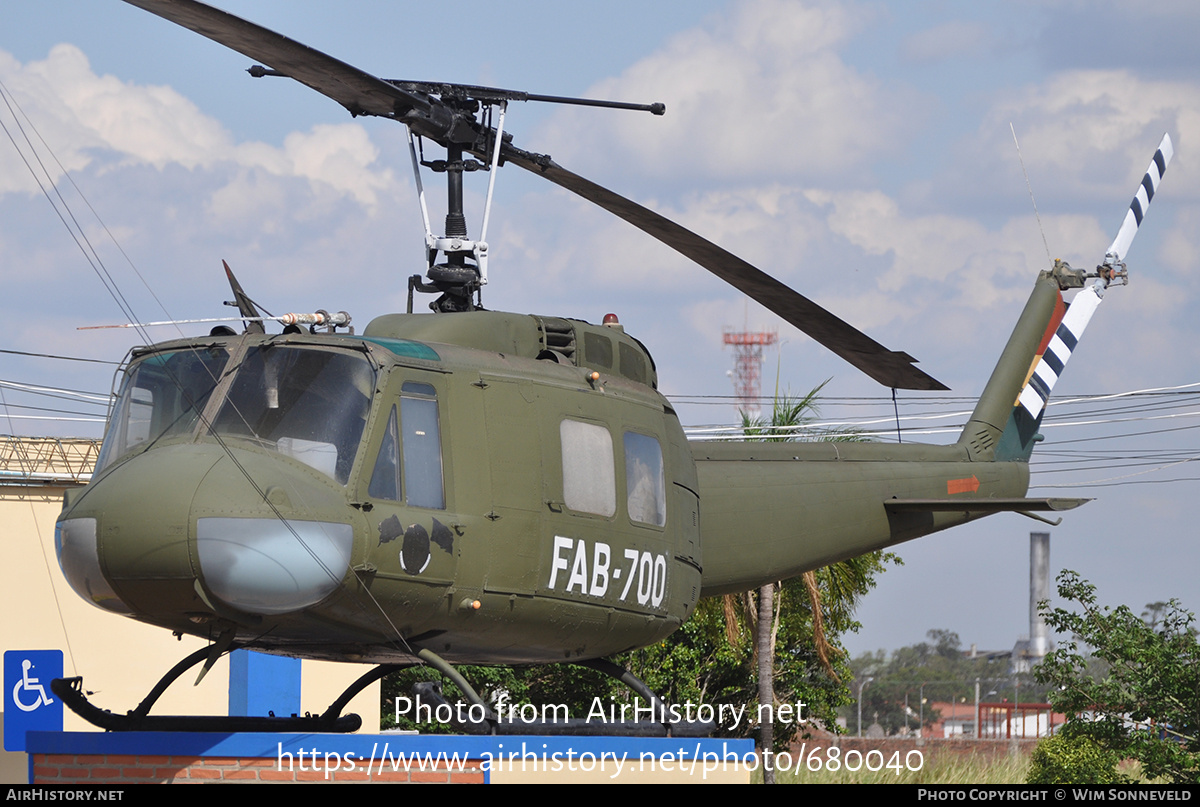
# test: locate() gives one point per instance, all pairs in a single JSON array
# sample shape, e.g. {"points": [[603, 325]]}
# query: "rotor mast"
{"points": [[457, 117], [458, 282]]}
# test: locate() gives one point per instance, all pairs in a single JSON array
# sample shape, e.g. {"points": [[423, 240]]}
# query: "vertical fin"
{"points": [[993, 413], [1057, 352]]}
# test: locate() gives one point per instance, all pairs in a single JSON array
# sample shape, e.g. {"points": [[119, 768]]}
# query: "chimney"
{"points": [[1039, 589]]}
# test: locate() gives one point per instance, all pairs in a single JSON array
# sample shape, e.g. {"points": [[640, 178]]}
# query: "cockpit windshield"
{"points": [[163, 395], [307, 403]]}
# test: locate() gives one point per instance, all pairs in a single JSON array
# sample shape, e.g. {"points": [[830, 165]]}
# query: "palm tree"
{"points": [[789, 416]]}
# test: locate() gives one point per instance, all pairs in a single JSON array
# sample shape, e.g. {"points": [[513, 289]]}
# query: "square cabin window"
{"points": [[644, 481], [589, 468]]}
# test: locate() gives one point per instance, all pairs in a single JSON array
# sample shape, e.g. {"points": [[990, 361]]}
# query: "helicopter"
{"points": [[473, 486]]}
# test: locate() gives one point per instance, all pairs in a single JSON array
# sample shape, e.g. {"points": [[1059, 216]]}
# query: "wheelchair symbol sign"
{"points": [[27, 686], [28, 703]]}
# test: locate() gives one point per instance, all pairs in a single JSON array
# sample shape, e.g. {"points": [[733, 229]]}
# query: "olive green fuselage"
{"points": [[772, 511], [496, 488]]}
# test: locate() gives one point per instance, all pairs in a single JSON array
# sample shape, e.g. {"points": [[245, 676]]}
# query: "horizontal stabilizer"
{"points": [[961, 505]]}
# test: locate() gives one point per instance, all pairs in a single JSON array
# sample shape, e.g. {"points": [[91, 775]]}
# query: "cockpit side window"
{"points": [[385, 479]]}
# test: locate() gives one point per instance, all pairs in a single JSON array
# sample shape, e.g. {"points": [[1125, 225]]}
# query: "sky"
{"points": [[862, 152]]}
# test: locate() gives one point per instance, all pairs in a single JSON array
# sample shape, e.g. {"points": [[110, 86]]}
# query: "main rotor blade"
{"points": [[359, 92], [364, 94], [891, 368]]}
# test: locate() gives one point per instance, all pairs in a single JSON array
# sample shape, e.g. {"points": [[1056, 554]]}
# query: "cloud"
{"points": [[150, 124], [943, 42], [1181, 245], [771, 226], [758, 92], [959, 259], [34, 90], [341, 157], [85, 118], [1091, 132], [1158, 36]]}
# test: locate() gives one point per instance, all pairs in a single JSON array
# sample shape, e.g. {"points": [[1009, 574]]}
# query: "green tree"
{"points": [[1142, 701], [1075, 760], [937, 670]]}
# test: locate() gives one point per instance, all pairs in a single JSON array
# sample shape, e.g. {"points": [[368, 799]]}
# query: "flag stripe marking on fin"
{"points": [[1051, 363]]}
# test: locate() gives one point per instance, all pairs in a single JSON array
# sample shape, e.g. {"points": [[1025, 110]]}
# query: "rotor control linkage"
{"points": [[459, 283]]}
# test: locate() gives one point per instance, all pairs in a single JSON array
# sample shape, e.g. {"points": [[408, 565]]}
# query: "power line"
{"points": [[63, 358]]}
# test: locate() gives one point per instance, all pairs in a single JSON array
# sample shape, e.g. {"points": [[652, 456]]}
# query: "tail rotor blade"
{"points": [[1061, 340], [1141, 200]]}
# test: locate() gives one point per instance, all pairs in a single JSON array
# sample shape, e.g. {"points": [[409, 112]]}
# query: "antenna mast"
{"points": [[747, 367]]}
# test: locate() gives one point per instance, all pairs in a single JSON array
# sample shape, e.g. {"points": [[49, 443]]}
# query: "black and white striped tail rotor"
{"points": [[1058, 351], [1141, 201], [1065, 334]]}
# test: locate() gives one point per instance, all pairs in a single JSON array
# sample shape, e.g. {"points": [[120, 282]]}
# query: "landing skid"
{"points": [[331, 720]]}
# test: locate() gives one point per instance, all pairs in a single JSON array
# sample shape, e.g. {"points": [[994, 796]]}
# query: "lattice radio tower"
{"points": [[747, 366]]}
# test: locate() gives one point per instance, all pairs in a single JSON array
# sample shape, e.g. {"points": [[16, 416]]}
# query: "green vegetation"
{"points": [[1073, 759], [1136, 695], [947, 769]]}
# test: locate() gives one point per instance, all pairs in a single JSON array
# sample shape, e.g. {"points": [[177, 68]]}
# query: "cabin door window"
{"points": [[422, 442], [589, 468], [410, 454], [645, 485]]}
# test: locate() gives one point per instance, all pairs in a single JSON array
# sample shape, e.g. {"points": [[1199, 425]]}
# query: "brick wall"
{"points": [[122, 758]]}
